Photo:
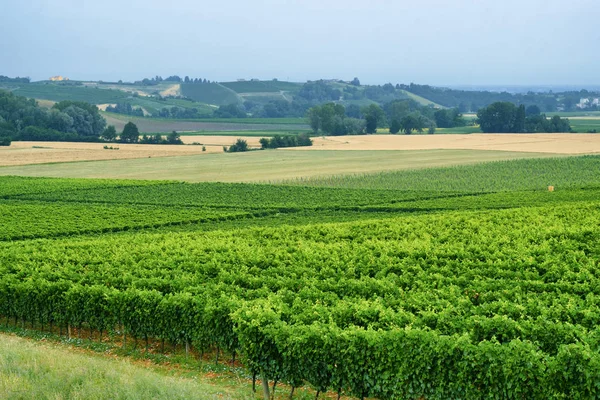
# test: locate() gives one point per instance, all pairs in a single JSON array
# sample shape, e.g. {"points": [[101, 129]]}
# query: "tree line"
{"points": [[405, 116], [506, 117], [23, 119]]}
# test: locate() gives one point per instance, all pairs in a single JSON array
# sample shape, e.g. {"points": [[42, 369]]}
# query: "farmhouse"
{"points": [[58, 78]]}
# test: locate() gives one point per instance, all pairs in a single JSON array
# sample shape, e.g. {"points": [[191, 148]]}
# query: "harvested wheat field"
{"points": [[557, 143], [24, 153]]}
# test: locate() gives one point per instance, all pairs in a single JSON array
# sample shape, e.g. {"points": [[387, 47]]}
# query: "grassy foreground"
{"points": [[37, 370]]}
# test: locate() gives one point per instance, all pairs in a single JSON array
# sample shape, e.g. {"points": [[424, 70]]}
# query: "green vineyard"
{"points": [[449, 292]]}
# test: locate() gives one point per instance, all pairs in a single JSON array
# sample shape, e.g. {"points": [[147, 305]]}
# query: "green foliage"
{"points": [[374, 117], [109, 134], [239, 146], [23, 119], [331, 119], [525, 174], [71, 91], [480, 295], [277, 141], [230, 111], [172, 138], [130, 133], [450, 118], [423, 306], [505, 117]]}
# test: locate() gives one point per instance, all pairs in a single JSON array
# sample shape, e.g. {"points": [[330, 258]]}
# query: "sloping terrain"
{"points": [[210, 93]]}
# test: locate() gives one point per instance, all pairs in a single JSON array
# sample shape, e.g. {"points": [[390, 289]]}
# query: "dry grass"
{"points": [[270, 165], [173, 90], [24, 153], [554, 143]]}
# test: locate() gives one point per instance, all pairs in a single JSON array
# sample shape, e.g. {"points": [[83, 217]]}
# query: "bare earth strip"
{"points": [[556, 143]]}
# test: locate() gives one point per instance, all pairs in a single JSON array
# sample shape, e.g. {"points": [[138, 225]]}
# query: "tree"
{"points": [[327, 118], [431, 128], [353, 111], [174, 138], [109, 134], [355, 82], [409, 124], [264, 143], [314, 119], [395, 126], [130, 133], [374, 117], [87, 120], [498, 117], [519, 124], [239, 146], [532, 110], [371, 124]]}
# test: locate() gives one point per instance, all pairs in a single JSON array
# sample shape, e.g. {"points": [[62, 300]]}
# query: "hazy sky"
{"points": [[440, 42]]}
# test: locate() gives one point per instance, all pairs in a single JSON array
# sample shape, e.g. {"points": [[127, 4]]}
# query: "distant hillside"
{"points": [[422, 100], [210, 93], [60, 92], [262, 86]]}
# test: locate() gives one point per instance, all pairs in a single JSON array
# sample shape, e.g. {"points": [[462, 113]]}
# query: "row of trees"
{"points": [[14, 80], [278, 141], [173, 78], [506, 117], [131, 134], [399, 116]]}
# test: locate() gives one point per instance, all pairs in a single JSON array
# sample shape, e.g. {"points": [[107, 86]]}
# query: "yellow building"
{"points": [[58, 78]]}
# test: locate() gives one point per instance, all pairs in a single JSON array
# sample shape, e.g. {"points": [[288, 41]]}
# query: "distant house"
{"points": [[58, 78], [583, 103], [587, 103]]}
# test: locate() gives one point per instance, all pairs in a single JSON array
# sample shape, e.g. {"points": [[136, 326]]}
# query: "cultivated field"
{"points": [[554, 143], [152, 125], [465, 282], [270, 165], [24, 153]]}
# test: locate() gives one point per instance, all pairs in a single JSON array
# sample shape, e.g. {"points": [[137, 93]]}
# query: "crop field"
{"points": [[464, 282], [584, 125], [59, 92], [156, 125], [193, 165], [153, 105], [500, 176], [262, 86], [556, 143], [26, 153], [210, 93]]}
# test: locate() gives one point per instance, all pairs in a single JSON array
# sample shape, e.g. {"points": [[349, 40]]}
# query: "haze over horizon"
{"points": [[468, 42]]}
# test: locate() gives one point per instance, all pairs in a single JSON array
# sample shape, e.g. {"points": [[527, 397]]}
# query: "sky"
{"points": [[437, 42]]}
